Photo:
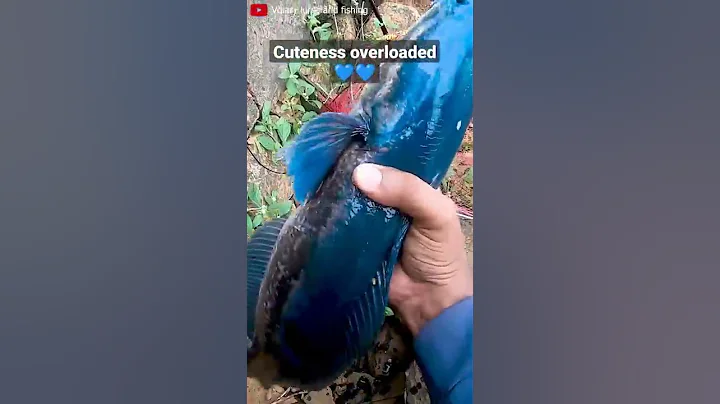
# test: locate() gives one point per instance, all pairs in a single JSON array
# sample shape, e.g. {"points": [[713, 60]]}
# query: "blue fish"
{"points": [[318, 281]]}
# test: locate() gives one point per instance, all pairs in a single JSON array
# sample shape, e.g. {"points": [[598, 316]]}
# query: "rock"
{"points": [[356, 389], [346, 28], [467, 229], [397, 18], [415, 388], [389, 392], [322, 77], [392, 352], [253, 113], [274, 393], [323, 396], [262, 75], [256, 394]]}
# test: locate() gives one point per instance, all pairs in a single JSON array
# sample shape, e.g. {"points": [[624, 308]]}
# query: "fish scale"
{"points": [[326, 270]]}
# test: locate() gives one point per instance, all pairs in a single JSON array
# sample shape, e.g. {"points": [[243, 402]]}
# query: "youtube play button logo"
{"points": [[258, 10]]}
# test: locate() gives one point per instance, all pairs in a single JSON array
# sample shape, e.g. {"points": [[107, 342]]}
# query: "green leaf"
{"points": [[299, 107], [284, 129], [308, 116], [255, 195], [308, 87], [284, 107], [316, 103], [250, 226], [388, 312], [294, 67], [260, 128], [285, 74], [267, 142], [257, 220], [469, 176], [302, 83], [280, 209], [266, 110], [291, 87], [274, 196], [324, 35]]}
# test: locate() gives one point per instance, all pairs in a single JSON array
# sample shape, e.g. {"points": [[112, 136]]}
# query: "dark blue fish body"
{"points": [[318, 282]]}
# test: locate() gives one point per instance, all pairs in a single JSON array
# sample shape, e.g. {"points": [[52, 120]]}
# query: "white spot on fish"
{"points": [[406, 133], [389, 213], [459, 124], [435, 178], [355, 207], [371, 206], [374, 281]]}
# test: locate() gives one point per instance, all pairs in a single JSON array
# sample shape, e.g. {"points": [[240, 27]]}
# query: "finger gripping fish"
{"points": [[318, 281]]}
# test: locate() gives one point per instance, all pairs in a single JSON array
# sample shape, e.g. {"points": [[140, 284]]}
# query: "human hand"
{"points": [[432, 273]]}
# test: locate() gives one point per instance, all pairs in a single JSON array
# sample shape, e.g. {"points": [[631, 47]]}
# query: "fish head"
{"points": [[419, 111]]}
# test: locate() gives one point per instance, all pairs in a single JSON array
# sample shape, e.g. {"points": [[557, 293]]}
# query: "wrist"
{"points": [[430, 301]]}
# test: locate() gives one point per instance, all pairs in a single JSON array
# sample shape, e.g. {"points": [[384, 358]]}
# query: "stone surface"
{"points": [[344, 26], [323, 396], [467, 229], [415, 388], [322, 77], [397, 17], [262, 75], [253, 113]]}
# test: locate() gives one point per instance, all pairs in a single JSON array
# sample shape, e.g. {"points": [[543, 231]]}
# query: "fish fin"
{"points": [[396, 249], [368, 315], [317, 147], [365, 316], [259, 250]]}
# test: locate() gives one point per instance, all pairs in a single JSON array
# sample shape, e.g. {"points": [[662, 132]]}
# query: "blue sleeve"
{"points": [[444, 352]]}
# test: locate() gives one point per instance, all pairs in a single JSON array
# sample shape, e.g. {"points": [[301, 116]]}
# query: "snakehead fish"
{"points": [[318, 281]]}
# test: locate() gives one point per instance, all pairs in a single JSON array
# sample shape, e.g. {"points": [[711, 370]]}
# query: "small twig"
{"points": [[464, 216], [253, 98], [377, 15], [282, 399], [337, 30], [261, 164], [277, 400], [316, 85]]}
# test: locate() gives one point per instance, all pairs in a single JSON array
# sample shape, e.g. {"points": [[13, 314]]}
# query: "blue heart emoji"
{"points": [[365, 71], [344, 71]]}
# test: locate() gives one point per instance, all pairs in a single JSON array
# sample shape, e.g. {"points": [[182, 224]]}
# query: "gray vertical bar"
{"points": [[121, 194]]}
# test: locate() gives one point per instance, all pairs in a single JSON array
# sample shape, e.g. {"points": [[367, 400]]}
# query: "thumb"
{"points": [[404, 191]]}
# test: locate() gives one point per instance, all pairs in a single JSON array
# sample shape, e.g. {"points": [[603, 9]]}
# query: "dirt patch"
{"points": [[458, 183], [397, 17], [421, 5], [267, 180]]}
